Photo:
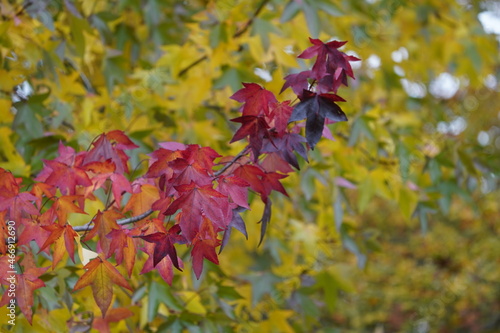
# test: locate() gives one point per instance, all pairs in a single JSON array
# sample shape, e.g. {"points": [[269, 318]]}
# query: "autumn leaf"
{"points": [[101, 275], [236, 223], [64, 205], [101, 172], [112, 316], [196, 201], [142, 199], [280, 114], [285, 146], [63, 238], [122, 245], [104, 223], [253, 127], [260, 181], [235, 188], [316, 108], [16, 204], [329, 62], [164, 244], [65, 176], [110, 146], [204, 246], [164, 267], [26, 284], [257, 99]]}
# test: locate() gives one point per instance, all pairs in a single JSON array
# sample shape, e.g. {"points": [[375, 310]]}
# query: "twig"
{"points": [[127, 220], [236, 35], [250, 21], [196, 62], [237, 157]]}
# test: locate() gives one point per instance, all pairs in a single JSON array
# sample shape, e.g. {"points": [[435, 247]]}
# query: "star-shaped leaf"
{"points": [[316, 108], [101, 275]]}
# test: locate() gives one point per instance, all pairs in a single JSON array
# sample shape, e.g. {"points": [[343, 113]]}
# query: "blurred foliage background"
{"points": [[392, 226]]}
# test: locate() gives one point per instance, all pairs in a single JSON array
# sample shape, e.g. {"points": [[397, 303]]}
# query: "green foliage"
{"points": [[393, 226]]}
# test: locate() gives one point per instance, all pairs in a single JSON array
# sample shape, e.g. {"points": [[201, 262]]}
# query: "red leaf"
{"points": [[26, 284], [164, 245], [204, 247], [110, 146], [256, 128], [236, 223], [256, 99], [235, 188], [65, 176], [260, 181], [196, 201], [15, 204], [164, 267], [329, 62], [104, 171], [280, 114], [285, 146], [298, 81]]}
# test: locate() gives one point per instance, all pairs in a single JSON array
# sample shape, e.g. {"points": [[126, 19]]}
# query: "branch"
{"points": [[250, 21], [127, 220], [236, 35], [196, 62], [134, 219], [237, 157]]}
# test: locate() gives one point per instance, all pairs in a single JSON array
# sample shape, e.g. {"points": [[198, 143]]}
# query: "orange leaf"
{"points": [[101, 275], [103, 224], [63, 238], [113, 315], [142, 201]]}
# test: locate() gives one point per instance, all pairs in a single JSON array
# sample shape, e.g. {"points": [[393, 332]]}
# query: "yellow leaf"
{"points": [[192, 302]]}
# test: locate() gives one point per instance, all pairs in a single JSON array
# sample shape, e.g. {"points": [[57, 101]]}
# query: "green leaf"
{"points": [[161, 293], [312, 19], [229, 293], [291, 10]]}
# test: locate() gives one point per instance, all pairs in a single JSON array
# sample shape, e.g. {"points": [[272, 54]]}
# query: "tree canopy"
{"points": [[391, 218]]}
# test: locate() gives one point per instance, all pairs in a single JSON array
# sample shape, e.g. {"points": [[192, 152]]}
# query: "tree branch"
{"points": [[127, 220], [237, 157], [134, 219]]}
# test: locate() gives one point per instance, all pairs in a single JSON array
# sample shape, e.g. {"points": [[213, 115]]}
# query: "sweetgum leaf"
{"points": [[164, 245], [101, 275], [236, 223], [316, 108]]}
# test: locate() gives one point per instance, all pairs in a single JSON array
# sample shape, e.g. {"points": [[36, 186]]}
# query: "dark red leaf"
{"points": [[256, 128], [164, 245], [257, 99], [204, 247]]}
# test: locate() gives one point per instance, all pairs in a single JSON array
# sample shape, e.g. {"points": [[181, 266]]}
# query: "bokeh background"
{"points": [[393, 226]]}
